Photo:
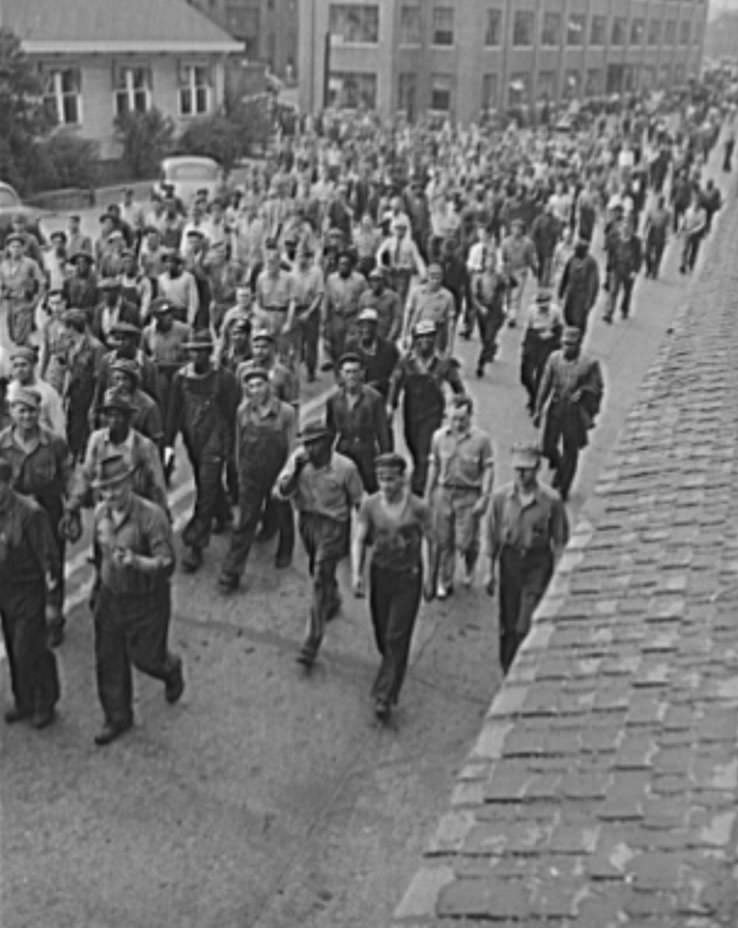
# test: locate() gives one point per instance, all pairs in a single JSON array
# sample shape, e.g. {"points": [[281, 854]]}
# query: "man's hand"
{"points": [[490, 586], [52, 614], [536, 420], [390, 414], [480, 507], [124, 557], [70, 526], [168, 458], [429, 591], [357, 585]]}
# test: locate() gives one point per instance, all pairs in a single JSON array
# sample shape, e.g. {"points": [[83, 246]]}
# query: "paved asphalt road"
{"points": [[267, 799]]}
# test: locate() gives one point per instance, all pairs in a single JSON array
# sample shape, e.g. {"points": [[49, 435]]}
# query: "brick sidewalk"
{"points": [[603, 789]]}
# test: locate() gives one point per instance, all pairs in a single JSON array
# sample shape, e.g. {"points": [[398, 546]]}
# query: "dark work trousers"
{"points": [[561, 444], [54, 509], [326, 543], [679, 212], [619, 282], [363, 456], [489, 324], [418, 437], [524, 577], [308, 335], [207, 468], [654, 252], [394, 600], [690, 251], [535, 353], [33, 672], [252, 500], [130, 631]]}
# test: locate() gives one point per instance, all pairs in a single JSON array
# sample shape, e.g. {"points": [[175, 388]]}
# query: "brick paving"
{"points": [[603, 788]]}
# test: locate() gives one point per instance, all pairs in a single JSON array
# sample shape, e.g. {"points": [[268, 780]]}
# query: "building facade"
{"points": [[268, 29], [460, 57], [130, 56]]}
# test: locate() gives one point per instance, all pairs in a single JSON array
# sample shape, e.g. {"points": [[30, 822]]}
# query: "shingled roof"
{"points": [[47, 26]]}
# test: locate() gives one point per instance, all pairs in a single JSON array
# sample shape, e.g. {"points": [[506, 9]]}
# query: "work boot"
{"points": [[382, 711], [227, 583], [16, 715], [174, 686], [110, 732], [42, 718], [191, 560]]}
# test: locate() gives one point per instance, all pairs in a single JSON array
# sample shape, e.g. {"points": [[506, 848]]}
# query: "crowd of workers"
{"points": [[365, 251]]}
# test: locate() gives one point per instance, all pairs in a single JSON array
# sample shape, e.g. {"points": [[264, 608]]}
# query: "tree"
{"points": [[146, 138], [23, 117]]}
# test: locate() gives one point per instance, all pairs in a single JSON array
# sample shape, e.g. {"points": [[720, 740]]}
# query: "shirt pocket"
{"points": [[469, 465]]}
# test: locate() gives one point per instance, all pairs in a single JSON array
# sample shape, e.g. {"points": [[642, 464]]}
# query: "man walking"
{"points": [[325, 487], [624, 259], [526, 530], [458, 491]]}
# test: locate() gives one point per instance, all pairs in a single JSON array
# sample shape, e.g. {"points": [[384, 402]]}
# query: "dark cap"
{"points": [[112, 469], [115, 398], [390, 460], [314, 431]]}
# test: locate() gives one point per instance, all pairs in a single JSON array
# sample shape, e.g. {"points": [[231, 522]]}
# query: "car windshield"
{"points": [[192, 172], [7, 198]]}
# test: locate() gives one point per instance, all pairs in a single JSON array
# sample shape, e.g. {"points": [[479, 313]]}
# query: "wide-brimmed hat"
{"points": [[314, 431], [201, 340], [368, 315], [424, 327], [116, 399], [247, 370], [109, 283], [161, 305], [128, 367], [82, 253], [74, 317], [15, 237], [24, 352], [111, 470], [571, 335], [124, 328], [262, 335]]}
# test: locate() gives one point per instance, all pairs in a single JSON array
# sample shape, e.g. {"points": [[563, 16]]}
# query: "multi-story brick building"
{"points": [[462, 56], [268, 29]]}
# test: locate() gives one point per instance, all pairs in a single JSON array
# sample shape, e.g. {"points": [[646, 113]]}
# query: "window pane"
{"points": [[201, 98], [201, 77], [551, 32], [575, 29], [670, 33], [410, 28], [684, 32], [547, 85], [654, 32], [523, 28], [599, 30], [355, 23], [443, 25], [494, 28], [140, 101], [637, 28], [519, 88], [349, 90], [70, 81], [121, 103], [185, 101], [618, 31], [594, 82], [441, 85], [139, 77], [489, 91]]}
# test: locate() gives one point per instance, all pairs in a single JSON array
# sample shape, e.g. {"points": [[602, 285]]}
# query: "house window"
{"points": [[680, 74], [594, 82], [551, 31], [665, 76], [410, 25], [670, 33], [572, 84], [355, 23], [493, 30], [547, 85], [63, 96], [654, 32], [598, 30], [352, 90], [132, 90], [441, 89], [637, 29], [618, 31], [685, 30], [575, 29], [523, 26], [489, 91], [194, 90], [443, 25], [407, 90], [519, 88]]}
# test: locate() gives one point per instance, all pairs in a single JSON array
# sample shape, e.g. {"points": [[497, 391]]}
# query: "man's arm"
{"points": [[433, 470], [358, 549], [544, 389], [382, 430]]}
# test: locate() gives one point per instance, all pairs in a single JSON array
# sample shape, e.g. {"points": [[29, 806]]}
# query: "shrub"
{"points": [[68, 159], [215, 137], [145, 138]]}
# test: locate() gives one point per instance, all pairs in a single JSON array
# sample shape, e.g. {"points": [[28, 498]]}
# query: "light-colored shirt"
{"points": [[461, 460], [331, 491], [534, 525]]}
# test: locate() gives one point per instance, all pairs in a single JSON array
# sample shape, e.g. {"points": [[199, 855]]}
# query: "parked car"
{"points": [[189, 173], [11, 205]]}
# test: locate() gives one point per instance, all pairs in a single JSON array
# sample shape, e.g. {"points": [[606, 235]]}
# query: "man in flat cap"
{"points": [[308, 288], [382, 298], [378, 355], [343, 289], [22, 284], [23, 364], [432, 302], [527, 529], [324, 487], [579, 286], [570, 396], [163, 342], [40, 469]]}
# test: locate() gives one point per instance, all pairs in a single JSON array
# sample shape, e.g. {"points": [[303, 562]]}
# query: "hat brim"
{"points": [[102, 483], [198, 346], [314, 436]]}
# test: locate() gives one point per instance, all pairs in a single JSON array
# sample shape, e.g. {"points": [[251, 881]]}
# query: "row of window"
{"points": [[356, 90], [354, 23], [132, 92]]}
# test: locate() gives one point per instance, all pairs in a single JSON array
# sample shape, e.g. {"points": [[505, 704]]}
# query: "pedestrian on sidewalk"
{"points": [[729, 148], [458, 491], [29, 578], [624, 259], [570, 395], [132, 601], [658, 221], [395, 522], [527, 528], [579, 286], [542, 336], [489, 288], [265, 433], [324, 487], [692, 230]]}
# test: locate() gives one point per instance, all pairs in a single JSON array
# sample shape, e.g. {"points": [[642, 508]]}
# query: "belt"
{"points": [[274, 309], [460, 486]]}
